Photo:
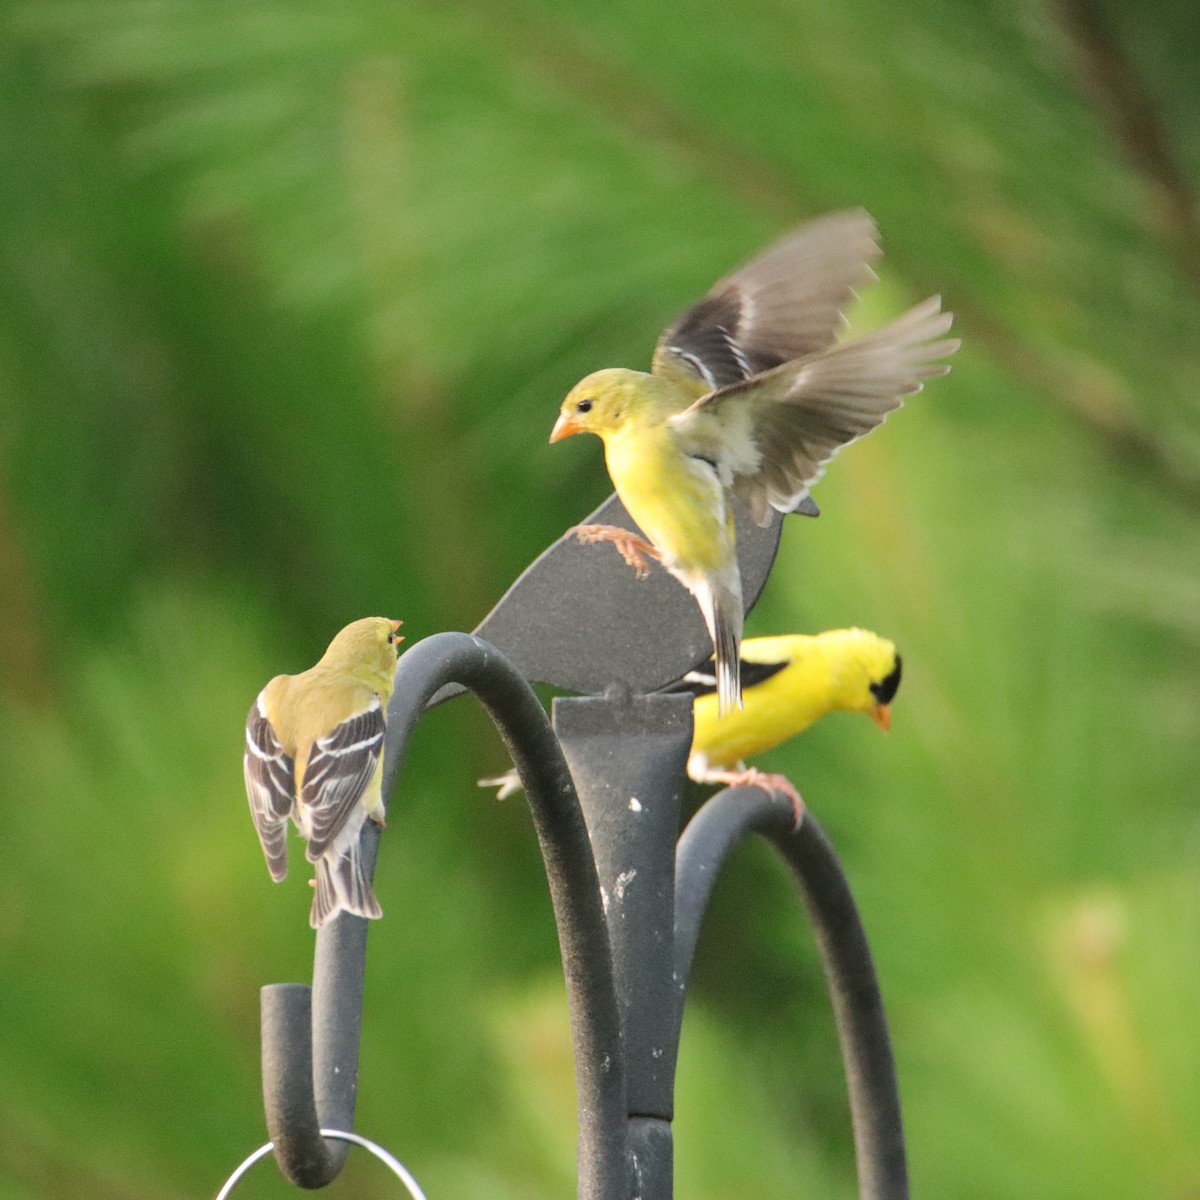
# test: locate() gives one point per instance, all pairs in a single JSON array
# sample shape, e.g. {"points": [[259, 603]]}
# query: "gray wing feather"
{"points": [[339, 768], [804, 412], [785, 303], [270, 788]]}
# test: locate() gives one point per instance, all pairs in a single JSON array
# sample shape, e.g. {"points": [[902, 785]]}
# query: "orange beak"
{"points": [[881, 714], [396, 639], [563, 428]]}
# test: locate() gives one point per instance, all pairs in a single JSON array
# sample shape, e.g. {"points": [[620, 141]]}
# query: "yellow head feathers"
{"points": [[606, 401], [366, 649], [864, 671]]}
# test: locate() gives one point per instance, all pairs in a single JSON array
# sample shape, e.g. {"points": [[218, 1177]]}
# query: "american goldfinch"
{"points": [[790, 682], [314, 752], [749, 396]]}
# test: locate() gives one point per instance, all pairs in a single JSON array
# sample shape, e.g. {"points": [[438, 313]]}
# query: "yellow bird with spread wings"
{"points": [[748, 397]]}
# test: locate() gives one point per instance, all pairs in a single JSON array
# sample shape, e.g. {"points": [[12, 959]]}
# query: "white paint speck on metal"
{"points": [[622, 882]]}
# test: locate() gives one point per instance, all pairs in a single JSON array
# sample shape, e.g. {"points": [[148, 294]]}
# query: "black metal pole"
{"points": [[310, 1047], [874, 1094], [627, 755], [294, 1112]]}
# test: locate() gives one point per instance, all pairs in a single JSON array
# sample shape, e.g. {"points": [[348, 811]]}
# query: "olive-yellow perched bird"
{"points": [[314, 752], [749, 396], [790, 682]]}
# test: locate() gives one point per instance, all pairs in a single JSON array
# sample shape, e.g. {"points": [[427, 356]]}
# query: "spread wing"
{"points": [[339, 768], [777, 432], [785, 303], [270, 788]]}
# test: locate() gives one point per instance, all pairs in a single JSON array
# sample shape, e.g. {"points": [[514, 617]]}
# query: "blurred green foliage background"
{"points": [[289, 295]]}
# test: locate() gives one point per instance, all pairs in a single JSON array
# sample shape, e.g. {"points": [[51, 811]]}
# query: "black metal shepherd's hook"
{"points": [[716, 830], [605, 786]]}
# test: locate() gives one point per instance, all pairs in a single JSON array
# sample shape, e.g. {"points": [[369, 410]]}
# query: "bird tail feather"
{"points": [[721, 605], [342, 885]]}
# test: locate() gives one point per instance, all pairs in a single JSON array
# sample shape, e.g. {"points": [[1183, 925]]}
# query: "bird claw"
{"points": [[633, 549], [505, 785], [775, 785]]}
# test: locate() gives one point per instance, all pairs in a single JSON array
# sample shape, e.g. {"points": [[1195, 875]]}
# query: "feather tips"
{"points": [[340, 767], [270, 787], [781, 305], [803, 412], [342, 883], [720, 600]]}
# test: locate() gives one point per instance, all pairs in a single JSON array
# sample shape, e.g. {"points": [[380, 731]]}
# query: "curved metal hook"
{"points": [[310, 1047], [296, 1049], [709, 839], [393, 1164]]}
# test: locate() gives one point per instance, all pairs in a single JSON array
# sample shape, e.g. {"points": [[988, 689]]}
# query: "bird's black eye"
{"points": [[584, 406]]}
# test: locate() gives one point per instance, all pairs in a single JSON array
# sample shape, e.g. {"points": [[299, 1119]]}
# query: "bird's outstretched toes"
{"points": [[779, 785], [633, 549], [506, 785]]}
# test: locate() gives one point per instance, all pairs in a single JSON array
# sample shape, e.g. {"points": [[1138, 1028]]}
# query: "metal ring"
{"points": [[397, 1167]]}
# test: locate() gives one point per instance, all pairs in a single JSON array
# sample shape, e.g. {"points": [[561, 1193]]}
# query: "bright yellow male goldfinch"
{"points": [[314, 752], [790, 682], [749, 396]]}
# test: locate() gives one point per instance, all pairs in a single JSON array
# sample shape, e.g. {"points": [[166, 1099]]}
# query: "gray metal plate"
{"points": [[579, 619]]}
